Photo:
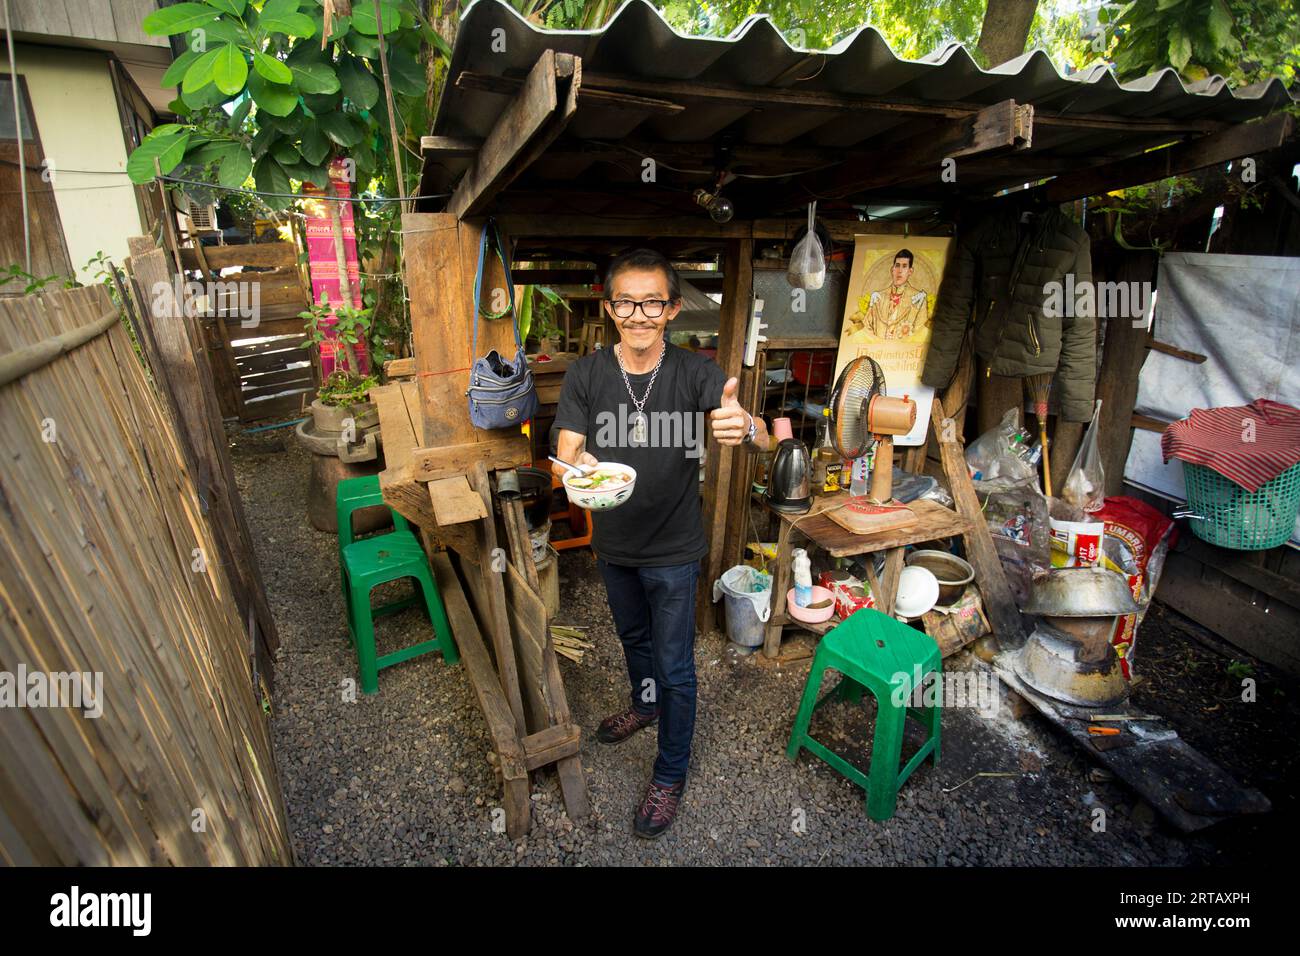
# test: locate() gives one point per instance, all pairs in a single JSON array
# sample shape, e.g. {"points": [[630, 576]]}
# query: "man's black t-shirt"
{"points": [[660, 524]]}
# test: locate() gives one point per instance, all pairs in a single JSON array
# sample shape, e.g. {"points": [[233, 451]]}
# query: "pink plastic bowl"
{"points": [[814, 615]]}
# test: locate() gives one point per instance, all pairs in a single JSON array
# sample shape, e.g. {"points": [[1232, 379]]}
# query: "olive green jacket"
{"points": [[1001, 273]]}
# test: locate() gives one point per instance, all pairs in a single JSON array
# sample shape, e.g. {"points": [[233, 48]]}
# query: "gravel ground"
{"points": [[404, 777]]}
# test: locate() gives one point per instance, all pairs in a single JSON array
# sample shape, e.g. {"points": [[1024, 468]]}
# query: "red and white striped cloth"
{"points": [[1247, 444]]}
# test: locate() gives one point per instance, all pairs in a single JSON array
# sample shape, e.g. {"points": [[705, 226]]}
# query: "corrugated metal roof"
{"points": [[638, 44]]}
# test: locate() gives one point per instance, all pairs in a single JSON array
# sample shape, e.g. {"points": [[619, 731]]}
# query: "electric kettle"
{"points": [[789, 483]]}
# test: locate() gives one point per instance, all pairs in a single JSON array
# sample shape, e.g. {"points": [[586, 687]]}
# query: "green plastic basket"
{"points": [[1232, 517]]}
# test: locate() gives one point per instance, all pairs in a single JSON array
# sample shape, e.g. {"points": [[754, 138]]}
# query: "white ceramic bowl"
{"points": [[918, 592], [603, 498]]}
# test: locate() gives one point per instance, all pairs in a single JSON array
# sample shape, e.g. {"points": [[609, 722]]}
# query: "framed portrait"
{"points": [[891, 295]]}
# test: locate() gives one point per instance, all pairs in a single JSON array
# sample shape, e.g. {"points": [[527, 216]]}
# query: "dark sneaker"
{"points": [[658, 809], [617, 728]]}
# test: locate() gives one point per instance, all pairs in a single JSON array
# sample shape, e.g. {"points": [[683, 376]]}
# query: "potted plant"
{"points": [[344, 394], [537, 311]]}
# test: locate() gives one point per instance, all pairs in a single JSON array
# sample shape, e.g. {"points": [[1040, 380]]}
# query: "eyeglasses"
{"points": [[650, 308]]}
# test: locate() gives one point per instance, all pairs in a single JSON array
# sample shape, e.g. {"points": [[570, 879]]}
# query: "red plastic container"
{"points": [[812, 368]]}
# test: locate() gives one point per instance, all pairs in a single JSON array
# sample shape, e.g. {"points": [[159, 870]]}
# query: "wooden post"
{"points": [[1117, 383], [999, 604], [737, 289]]}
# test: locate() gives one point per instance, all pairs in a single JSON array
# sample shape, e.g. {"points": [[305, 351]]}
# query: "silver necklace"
{"points": [[640, 425]]}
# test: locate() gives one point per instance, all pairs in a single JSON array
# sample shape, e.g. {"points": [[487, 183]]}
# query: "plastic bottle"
{"points": [[860, 481], [802, 578]]}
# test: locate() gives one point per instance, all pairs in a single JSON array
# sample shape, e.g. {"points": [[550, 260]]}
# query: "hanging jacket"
{"points": [[1000, 270]]}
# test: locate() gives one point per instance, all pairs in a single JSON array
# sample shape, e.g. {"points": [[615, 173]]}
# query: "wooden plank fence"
{"points": [[106, 570]]}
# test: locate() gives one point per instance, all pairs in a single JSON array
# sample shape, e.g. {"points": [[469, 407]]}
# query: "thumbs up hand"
{"points": [[730, 422]]}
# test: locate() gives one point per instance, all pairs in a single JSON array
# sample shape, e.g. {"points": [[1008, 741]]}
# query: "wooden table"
{"points": [[933, 522]]}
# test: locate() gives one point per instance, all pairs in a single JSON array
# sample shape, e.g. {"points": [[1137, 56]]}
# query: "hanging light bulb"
{"points": [[720, 207]]}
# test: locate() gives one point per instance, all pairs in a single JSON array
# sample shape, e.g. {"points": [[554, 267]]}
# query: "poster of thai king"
{"points": [[891, 295]]}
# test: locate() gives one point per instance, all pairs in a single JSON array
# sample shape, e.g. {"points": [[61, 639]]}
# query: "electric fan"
{"points": [[860, 411]]}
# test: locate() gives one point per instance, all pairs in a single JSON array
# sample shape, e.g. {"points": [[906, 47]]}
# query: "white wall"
{"points": [[77, 120]]}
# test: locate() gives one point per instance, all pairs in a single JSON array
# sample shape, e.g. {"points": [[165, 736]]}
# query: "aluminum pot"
{"points": [[1080, 592], [951, 571], [1051, 663]]}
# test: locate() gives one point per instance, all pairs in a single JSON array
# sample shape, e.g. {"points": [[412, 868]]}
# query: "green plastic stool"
{"points": [[351, 496], [883, 655], [370, 562]]}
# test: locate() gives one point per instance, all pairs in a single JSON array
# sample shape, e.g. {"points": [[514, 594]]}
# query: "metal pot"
{"points": [[1080, 592], [1051, 662], [952, 573]]}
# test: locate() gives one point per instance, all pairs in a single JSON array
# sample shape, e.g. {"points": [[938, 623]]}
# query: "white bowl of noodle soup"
{"points": [[605, 485]]}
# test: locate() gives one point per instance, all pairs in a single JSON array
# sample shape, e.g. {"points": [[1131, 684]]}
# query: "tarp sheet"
{"points": [[1243, 312]]}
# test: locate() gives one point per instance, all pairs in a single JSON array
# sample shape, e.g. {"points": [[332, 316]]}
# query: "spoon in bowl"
{"points": [[574, 469]]}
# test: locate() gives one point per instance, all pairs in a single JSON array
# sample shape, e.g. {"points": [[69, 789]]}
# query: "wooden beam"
{"points": [[996, 129], [516, 127], [1220, 147], [432, 464], [491, 700], [490, 83], [524, 225], [759, 97]]}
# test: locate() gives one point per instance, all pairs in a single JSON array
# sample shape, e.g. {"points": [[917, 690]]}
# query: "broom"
{"points": [[1039, 387]]}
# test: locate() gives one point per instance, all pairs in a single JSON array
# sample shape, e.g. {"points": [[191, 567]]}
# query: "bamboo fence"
{"points": [[106, 565]]}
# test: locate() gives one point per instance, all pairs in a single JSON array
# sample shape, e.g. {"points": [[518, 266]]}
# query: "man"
{"points": [[642, 403], [900, 310]]}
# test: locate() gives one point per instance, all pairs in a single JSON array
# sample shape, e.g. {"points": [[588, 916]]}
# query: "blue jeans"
{"points": [[654, 614]]}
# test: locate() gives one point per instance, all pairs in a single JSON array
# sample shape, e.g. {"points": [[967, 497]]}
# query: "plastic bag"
{"points": [[1016, 513], [1136, 543], [807, 268], [1085, 486], [1001, 451], [1075, 540]]}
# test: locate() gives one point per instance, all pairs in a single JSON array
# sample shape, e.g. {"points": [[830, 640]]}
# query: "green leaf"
{"points": [[213, 151], [290, 125], [200, 72], [206, 95], [363, 18], [275, 98], [272, 69], [176, 72], [282, 16], [218, 31], [233, 7], [168, 149], [263, 140], [180, 18], [363, 45], [240, 113], [405, 73], [320, 103], [341, 128], [285, 154], [229, 69], [179, 107], [314, 146], [359, 85], [1219, 24], [270, 177], [1180, 47], [315, 78]]}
